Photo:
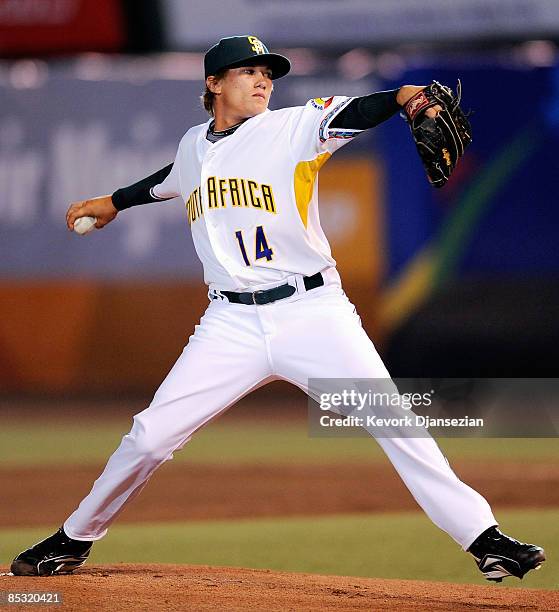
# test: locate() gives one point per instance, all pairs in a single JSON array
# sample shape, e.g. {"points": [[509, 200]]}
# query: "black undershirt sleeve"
{"points": [[367, 111], [139, 193]]}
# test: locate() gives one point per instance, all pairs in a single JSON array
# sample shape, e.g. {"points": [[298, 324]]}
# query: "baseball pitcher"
{"points": [[277, 309]]}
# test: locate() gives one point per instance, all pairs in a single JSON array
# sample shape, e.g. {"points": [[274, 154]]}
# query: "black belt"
{"points": [[272, 295]]}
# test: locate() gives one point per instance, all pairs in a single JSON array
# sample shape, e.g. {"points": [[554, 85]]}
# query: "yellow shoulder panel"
{"points": [[304, 177]]}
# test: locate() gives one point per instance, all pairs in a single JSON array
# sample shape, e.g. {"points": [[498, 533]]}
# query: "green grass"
{"points": [[247, 442], [380, 545]]}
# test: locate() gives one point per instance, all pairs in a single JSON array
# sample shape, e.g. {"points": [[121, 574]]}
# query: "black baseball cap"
{"points": [[247, 50]]}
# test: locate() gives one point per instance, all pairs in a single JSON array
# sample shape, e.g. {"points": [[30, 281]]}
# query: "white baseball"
{"points": [[84, 225]]}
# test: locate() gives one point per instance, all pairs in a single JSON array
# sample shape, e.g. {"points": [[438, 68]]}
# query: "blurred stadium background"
{"points": [[463, 282]]}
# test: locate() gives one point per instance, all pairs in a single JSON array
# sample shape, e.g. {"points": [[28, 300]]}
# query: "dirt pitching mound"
{"points": [[180, 587]]}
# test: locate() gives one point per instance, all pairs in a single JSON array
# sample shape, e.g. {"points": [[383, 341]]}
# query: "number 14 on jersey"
{"points": [[261, 248]]}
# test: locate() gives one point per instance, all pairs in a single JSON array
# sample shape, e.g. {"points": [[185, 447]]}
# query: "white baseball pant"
{"points": [[236, 349]]}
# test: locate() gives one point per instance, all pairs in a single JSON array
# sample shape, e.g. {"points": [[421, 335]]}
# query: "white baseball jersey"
{"points": [[252, 197]]}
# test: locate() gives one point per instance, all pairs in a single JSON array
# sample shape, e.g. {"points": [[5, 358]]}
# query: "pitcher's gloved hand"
{"points": [[440, 139]]}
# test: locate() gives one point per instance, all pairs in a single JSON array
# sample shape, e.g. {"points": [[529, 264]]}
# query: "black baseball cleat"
{"points": [[498, 556], [58, 554]]}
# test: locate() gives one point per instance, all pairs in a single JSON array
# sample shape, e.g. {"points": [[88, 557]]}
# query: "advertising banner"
{"points": [[326, 24], [57, 26]]}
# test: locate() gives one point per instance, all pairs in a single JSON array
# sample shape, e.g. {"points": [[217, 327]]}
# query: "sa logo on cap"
{"points": [[256, 45]]}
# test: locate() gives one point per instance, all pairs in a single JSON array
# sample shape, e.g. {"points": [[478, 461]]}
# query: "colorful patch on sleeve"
{"points": [[324, 133], [322, 103]]}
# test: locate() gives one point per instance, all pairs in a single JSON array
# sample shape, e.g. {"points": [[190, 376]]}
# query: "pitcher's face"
{"points": [[243, 92]]}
